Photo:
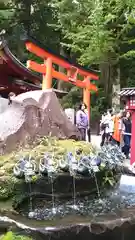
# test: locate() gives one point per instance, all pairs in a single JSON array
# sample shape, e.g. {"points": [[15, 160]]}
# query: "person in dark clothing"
{"points": [[102, 127], [126, 134]]}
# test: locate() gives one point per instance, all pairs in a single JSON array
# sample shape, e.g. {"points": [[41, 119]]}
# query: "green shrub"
{"points": [[11, 236]]}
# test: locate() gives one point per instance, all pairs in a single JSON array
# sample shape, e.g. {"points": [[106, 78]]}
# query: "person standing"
{"points": [[116, 137], [126, 131], [102, 129], [82, 121], [88, 133], [107, 126]]}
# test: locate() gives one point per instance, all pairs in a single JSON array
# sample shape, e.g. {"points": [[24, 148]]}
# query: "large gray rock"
{"points": [[33, 114]]}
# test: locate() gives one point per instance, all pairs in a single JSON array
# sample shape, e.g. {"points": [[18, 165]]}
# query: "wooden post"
{"points": [[86, 95], [47, 78], [86, 100]]}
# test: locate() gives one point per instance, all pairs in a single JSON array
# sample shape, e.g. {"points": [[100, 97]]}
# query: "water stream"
{"points": [[54, 209], [74, 194], [114, 206], [97, 187], [30, 203], [112, 202], [111, 205]]}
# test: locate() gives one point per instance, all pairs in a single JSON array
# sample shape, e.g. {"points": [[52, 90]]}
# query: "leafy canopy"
{"points": [[95, 29]]}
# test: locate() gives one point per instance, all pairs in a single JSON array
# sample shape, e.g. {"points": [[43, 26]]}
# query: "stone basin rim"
{"points": [[96, 227]]}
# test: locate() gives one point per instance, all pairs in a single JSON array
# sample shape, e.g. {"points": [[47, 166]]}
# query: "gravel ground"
{"points": [[95, 140]]}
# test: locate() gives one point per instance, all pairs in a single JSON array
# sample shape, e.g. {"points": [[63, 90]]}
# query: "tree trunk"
{"points": [[116, 89], [110, 78], [106, 80]]}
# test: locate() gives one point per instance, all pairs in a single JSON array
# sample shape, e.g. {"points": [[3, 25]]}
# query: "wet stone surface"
{"points": [[113, 202]]}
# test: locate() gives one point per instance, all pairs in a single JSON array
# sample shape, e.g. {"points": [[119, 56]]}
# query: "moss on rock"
{"points": [[37, 151], [18, 191]]}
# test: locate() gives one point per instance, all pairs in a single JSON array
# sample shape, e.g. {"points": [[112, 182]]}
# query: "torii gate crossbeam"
{"points": [[71, 70]]}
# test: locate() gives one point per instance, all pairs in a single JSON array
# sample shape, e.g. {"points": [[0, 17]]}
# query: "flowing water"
{"points": [[97, 187], [30, 203], [112, 205], [114, 202], [74, 194], [54, 209]]}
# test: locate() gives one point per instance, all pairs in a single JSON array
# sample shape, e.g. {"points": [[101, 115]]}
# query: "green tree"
{"points": [[95, 31], [33, 18]]}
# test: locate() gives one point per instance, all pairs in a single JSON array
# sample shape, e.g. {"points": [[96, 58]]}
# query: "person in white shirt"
{"points": [[107, 126]]}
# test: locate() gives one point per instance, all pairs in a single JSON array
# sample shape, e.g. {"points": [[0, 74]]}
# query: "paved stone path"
{"points": [[95, 140]]}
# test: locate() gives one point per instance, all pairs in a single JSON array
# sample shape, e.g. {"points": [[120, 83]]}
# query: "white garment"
{"points": [[108, 120]]}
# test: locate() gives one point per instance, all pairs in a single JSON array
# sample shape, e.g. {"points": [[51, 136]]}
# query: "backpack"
{"points": [[103, 126]]}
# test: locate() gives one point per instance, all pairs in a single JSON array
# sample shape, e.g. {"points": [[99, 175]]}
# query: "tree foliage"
{"points": [[95, 29], [97, 33], [100, 32]]}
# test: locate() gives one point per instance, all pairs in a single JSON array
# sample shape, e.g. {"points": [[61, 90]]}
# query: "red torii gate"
{"points": [[71, 70]]}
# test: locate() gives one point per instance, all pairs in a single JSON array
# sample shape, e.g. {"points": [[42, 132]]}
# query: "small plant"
{"points": [[109, 179], [34, 178], [11, 236]]}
